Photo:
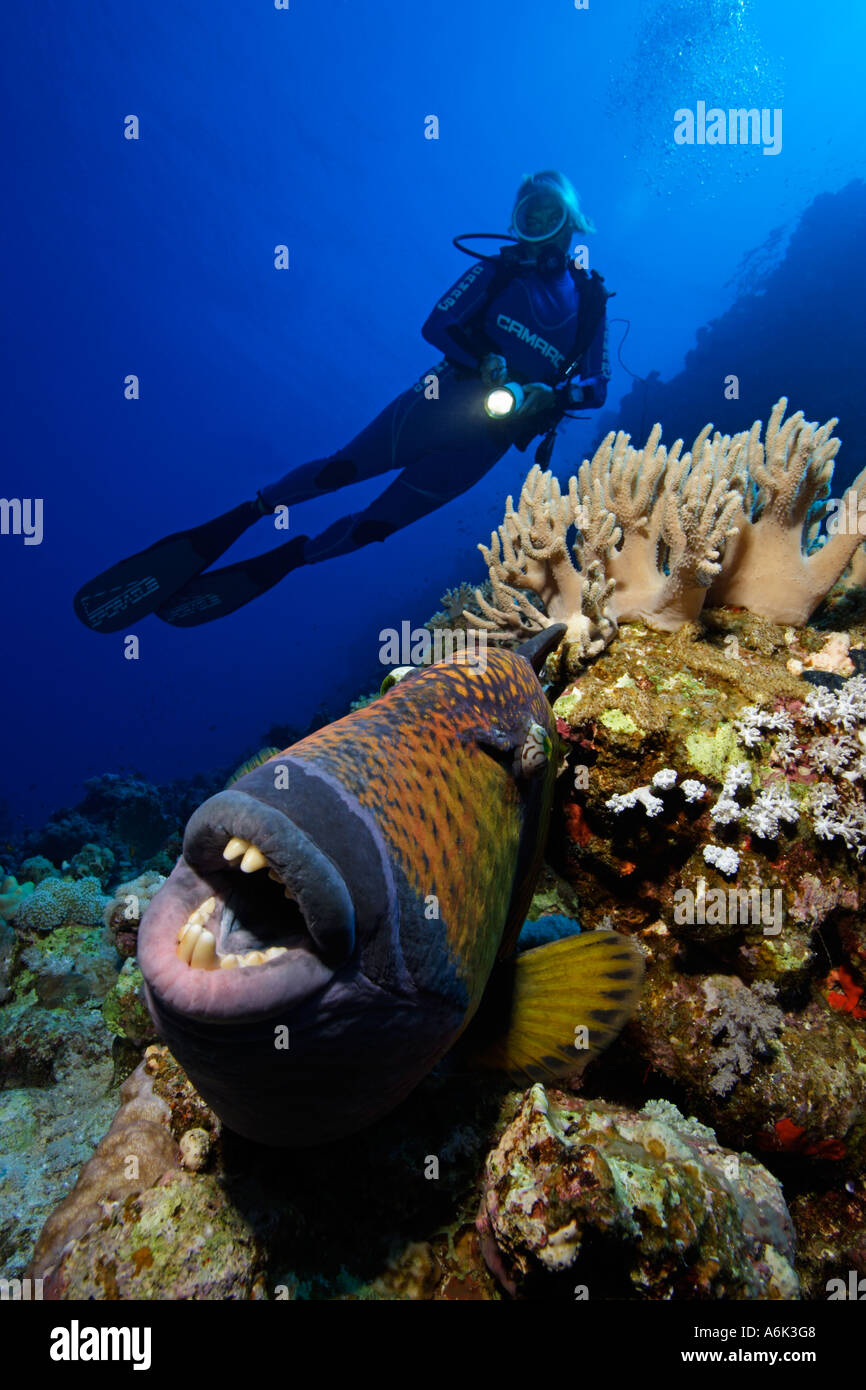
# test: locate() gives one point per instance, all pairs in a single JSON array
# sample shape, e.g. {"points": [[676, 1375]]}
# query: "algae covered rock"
{"points": [[585, 1199], [182, 1239], [124, 1009]]}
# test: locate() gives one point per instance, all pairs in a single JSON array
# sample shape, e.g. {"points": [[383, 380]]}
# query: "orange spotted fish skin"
{"points": [[448, 805]]}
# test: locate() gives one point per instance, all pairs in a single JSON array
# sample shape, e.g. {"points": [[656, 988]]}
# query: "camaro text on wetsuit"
{"points": [[546, 349]]}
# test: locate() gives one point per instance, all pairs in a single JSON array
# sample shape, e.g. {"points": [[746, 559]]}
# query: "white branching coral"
{"points": [[834, 819], [774, 567], [664, 781], [661, 532], [726, 860], [772, 806], [693, 790], [626, 801], [665, 778], [753, 724], [529, 552]]}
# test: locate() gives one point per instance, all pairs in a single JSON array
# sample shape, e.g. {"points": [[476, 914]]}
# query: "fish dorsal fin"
{"points": [[538, 648], [554, 1008]]}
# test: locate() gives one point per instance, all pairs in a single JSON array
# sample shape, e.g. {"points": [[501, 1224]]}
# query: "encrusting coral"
{"points": [[661, 532]]}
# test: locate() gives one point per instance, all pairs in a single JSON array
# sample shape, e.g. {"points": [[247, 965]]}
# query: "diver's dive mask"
{"points": [[539, 216]]}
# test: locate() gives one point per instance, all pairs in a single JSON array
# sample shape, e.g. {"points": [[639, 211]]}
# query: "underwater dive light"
{"points": [[503, 400]]}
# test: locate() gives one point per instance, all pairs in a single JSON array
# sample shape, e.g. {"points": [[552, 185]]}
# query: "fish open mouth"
{"points": [[242, 924], [257, 914]]}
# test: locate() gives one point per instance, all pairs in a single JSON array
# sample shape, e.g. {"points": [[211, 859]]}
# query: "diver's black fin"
{"points": [[134, 587], [539, 647], [220, 592]]}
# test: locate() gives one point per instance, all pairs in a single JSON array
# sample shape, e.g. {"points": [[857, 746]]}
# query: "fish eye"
{"points": [[399, 673]]}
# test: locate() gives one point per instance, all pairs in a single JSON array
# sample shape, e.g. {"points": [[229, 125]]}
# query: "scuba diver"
{"points": [[524, 341]]}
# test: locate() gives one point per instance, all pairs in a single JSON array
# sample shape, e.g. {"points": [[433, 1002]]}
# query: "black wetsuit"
{"points": [[439, 434]]}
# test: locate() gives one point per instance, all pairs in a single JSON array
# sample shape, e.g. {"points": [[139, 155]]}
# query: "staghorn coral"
{"points": [[732, 521], [530, 552], [775, 568]]}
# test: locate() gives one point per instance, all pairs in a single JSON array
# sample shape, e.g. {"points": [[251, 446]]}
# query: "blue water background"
{"points": [[306, 127]]}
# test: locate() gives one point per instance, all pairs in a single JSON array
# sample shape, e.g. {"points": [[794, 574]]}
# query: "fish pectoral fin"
{"points": [[549, 1011]]}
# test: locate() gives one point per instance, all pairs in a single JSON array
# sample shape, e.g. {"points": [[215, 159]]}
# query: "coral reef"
{"points": [[93, 861], [746, 1023], [660, 533], [12, 894], [762, 330], [530, 552], [57, 902], [742, 875], [37, 868], [675, 512], [126, 907], [591, 1200], [135, 1152], [766, 567], [831, 1238], [124, 1009]]}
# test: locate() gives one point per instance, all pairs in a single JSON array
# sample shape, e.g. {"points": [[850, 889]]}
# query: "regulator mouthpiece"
{"points": [[503, 400]]}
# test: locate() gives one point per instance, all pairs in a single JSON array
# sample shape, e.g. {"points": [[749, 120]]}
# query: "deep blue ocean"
{"points": [[306, 126]]}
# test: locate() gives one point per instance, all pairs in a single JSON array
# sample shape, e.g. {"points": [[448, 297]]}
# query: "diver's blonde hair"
{"points": [[567, 192]]}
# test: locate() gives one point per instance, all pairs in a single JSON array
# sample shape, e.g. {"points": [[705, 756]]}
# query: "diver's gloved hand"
{"points": [[537, 397], [494, 370], [574, 392]]}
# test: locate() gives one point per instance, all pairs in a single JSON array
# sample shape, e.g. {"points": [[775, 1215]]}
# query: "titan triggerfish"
{"points": [[336, 915]]}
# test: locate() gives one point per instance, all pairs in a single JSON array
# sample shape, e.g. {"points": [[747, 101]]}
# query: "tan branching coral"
{"points": [[661, 532], [529, 554], [675, 511], [768, 569]]}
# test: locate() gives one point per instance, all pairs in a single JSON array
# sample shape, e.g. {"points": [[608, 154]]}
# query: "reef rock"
{"points": [[592, 1200]]}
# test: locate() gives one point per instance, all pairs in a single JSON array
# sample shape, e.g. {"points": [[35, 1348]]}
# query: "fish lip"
{"points": [[217, 996], [311, 876]]}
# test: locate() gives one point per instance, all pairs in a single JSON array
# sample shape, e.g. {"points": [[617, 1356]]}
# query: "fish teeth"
{"points": [[249, 854], [248, 958], [191, 933], [204, 955], [188, 938]]}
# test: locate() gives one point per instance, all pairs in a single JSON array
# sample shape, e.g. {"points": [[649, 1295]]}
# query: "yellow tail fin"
{"points": [[558, 1006]]}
